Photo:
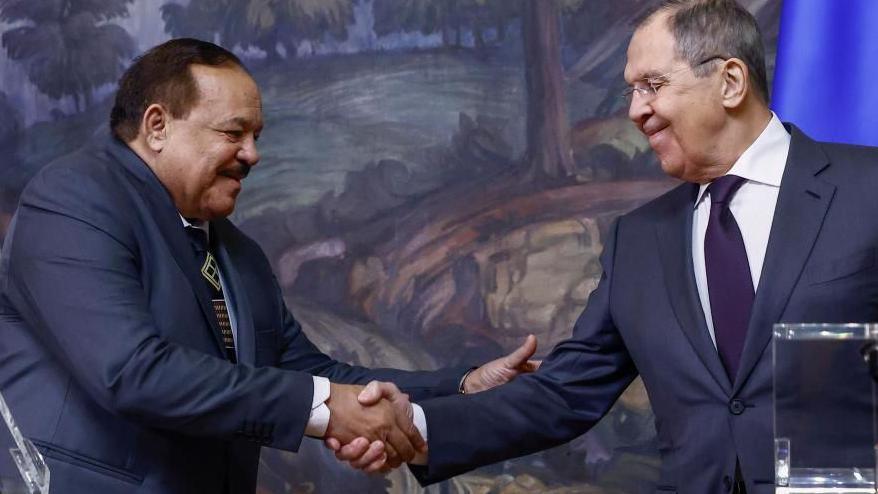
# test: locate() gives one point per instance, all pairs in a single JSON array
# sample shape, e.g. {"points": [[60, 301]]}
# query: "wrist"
{"points": [[461, 388]]}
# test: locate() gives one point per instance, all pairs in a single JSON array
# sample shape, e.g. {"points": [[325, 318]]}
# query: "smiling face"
{"points": [[684, 119], [202, 157]]}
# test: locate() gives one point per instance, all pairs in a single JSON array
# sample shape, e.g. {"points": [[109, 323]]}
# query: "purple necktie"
{"points": [[728, 274]]}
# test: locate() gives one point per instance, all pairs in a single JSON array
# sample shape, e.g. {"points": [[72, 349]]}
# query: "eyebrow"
{"points": [[652, 74], [241, 122], [649, 74]]}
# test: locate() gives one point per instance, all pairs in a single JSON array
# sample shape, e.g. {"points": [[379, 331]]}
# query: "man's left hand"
{"points": [[371, 458], [503, 369]]}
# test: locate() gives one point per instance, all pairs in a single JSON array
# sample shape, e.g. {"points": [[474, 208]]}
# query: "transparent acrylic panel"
{"points": [[30, 474], [10, 479], [824, 421]]}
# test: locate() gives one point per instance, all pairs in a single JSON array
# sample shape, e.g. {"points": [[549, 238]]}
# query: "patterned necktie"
{"points": [[210, 275], [728, 274]]}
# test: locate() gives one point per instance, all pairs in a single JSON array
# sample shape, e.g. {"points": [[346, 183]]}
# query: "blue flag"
{"points": [[826, 75]]}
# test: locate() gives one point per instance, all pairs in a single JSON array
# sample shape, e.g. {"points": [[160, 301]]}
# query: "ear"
{"points": [[735, 82], [154, 126]]}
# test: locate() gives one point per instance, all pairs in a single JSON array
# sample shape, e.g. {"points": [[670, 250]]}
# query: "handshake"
{"points": [[373, 427]]}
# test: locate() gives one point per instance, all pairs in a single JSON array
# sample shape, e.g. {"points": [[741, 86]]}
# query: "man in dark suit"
{"points": [[771, 226], [145, 344]]}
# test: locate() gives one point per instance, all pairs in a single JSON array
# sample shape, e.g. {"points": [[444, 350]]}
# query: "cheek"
{"points": [[697, 139], [201, 177], [691, 128]]}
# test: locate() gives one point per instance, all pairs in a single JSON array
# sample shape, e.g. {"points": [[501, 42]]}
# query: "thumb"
{"points": [[370, 395], [519, 357]]}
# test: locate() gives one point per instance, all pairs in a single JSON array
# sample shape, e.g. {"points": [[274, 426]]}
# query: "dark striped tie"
{"points": [[210, 274], [728, 274]]}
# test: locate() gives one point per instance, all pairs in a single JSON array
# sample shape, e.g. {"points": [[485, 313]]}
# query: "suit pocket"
{"points": [[65, 455], [841, 268]]}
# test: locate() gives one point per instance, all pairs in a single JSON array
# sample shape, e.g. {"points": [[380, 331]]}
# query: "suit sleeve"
{"points": [[575, 386], [74, 278]]}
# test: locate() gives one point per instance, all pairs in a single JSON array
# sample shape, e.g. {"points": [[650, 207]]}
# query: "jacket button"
{"points": [[737, 406], [727, 483]]}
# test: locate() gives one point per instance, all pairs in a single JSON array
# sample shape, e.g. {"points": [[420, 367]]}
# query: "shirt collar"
{"points": [[764, 161], [201, 225]]}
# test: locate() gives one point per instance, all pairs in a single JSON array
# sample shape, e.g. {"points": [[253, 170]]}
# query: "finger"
{"points": [[522, 353], [371, 455], [371, 394], [332, 443], [393, 457], [378, 466], [376, 390], [407, 426], [532, 365], [401, 444], [393, 463], [353, 450]]}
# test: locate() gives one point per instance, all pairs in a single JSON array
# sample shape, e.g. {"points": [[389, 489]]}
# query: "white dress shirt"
{"points": [[762, 164]]}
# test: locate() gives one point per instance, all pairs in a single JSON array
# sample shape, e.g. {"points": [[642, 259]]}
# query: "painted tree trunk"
{"points": [[549, 155]]}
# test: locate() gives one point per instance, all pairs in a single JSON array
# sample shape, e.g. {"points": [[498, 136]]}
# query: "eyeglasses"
{"points": [[649, 87]]}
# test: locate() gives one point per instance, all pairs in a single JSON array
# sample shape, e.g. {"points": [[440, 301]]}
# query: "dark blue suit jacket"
{"points": [[645, 318], [109, 360]]}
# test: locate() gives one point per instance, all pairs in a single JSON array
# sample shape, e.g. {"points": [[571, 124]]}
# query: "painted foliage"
{"points": [[436, 180]]}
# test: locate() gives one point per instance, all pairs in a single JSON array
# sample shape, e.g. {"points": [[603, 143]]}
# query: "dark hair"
{"points": [[708, 28], [162, 75]]}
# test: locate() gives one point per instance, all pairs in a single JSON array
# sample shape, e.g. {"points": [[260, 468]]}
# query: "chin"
{"points": [[672, 168], [216, 213]]}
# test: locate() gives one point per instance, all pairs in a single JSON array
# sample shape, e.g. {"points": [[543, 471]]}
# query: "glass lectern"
{"points": [[824, 408], [34, 474]]}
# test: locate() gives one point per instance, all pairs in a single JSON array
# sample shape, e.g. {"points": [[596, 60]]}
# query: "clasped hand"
{"points": [[375, 421], [393, 438]]}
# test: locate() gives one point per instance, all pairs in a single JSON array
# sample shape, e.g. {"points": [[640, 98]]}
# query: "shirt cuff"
{"points": [[318, 422], [420, 421]]}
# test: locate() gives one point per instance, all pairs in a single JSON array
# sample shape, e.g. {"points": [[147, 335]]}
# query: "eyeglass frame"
{"points": [[657, 82]]}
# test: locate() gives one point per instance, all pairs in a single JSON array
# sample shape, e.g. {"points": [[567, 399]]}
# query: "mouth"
{"points": [[654, 131], [654, 136], [238, 173]]}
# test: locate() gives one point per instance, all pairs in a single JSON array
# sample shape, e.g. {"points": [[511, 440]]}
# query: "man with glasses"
{"points": [[769, 226]]}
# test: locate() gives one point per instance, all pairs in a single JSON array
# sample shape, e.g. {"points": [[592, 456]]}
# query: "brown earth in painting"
{"points": [[480, 261]]}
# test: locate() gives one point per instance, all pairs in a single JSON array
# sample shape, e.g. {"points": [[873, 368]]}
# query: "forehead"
{"points": [[226, 92], [651, 51]]}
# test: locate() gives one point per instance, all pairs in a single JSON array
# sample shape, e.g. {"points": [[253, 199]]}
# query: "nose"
{"points": [[248, 153], [639, 110]]}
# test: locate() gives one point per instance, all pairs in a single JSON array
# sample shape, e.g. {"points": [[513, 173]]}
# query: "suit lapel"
{"points": [[802, 203], [162, 209], [675, 247], [236, 294]]}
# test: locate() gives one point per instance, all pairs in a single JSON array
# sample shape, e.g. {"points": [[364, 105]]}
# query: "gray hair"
{"points": [[708, 28]]}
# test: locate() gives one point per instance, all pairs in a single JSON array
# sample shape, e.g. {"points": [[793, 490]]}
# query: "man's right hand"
{"points": [[384, 421]]}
